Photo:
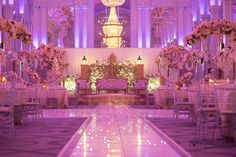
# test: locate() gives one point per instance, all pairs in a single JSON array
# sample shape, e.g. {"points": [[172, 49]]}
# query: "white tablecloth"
{"points": [[162, 95]]}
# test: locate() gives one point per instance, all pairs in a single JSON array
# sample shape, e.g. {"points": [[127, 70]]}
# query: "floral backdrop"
{"points": [[111, 68]]}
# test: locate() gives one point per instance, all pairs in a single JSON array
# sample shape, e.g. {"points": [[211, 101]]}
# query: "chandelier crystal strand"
{"points": [[112, 28], [113, 3]]}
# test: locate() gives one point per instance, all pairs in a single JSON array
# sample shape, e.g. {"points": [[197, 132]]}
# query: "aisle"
{"points": [[116, 131]]}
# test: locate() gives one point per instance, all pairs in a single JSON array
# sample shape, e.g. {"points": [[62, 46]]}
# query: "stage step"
{"points": [[117, 99]]}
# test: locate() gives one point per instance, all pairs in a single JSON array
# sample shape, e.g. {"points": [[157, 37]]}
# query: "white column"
{"points": [[43, 25], [187, 21], [90, 24], [194, 10], [8, 11], [140, 27], [84, 32], [181, 27], [227, 9], [35, 26], [18, 17], [77, 26], [147, 26], [133, 24], [215, 39], [227, 14], [28, 14]]}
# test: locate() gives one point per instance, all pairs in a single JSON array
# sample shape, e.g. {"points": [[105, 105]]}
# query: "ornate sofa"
{"points": [[112, 84]]}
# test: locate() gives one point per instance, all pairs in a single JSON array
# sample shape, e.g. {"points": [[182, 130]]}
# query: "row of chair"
{"points": [[16, 112], [205, 112]]}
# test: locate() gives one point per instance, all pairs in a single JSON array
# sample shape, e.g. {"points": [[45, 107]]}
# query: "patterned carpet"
{"points": [[182, 133], [39, 140]]}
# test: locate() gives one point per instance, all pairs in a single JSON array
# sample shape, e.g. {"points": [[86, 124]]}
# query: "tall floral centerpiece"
{"points": [[170, 58], [177, 57], [224, 58], [52, 58], [207, 28], [192, 58], [49, 58], [15, 30]]}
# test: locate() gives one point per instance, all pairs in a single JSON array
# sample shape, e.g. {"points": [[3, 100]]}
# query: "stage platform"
{"points": [[116, 99]]}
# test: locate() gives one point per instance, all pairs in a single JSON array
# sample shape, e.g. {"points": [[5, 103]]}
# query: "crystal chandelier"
{"points": [[112, 28]]}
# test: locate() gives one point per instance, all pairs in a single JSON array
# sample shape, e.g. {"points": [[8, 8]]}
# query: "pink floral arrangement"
{"points": [[2, 57], [26, 55], [16, 30], [53, 58], [184, 79], [33, 74], [171, 56], [13, 76], [225, 58], [49, 56], [206, 28], [193, 57]]}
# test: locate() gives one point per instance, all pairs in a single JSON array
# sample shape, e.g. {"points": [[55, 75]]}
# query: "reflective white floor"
{"points": [[63, 113], [116, 131]]}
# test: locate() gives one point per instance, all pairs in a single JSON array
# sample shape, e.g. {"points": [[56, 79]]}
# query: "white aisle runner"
{"points": [[116, 131]]}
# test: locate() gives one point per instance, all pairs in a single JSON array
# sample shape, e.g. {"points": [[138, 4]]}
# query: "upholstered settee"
{"points": [[112, 84]]}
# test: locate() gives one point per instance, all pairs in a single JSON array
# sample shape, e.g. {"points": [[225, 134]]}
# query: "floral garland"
{"points": [[171, 57], [15, 29], [12, 76], [126, 70], [184, 79], [2, 57], [206, 28], [98, 71], [193, 57]]}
